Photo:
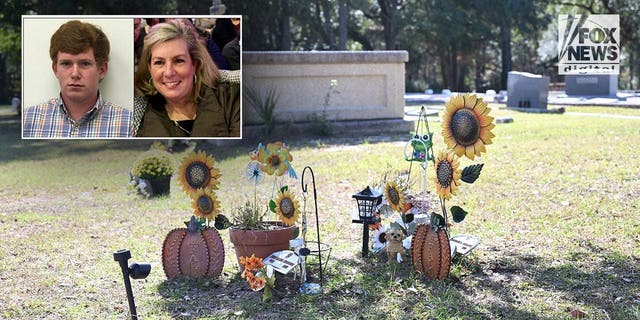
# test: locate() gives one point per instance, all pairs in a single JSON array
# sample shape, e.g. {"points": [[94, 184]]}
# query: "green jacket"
{"points": [[217, 115]]}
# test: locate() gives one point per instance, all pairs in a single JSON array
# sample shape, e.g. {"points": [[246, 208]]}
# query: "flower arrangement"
{"points": [[466, 130], [394, 187], [199, 179], [254, 238], [151, 173], [274, 159], [258, 276], [153, 164]]}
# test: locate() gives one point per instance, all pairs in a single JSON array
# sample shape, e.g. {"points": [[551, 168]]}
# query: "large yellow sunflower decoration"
{"points": [[286, 207], [466, 125], [447, 174], [198, 171], [205, 204], [466, 129]]}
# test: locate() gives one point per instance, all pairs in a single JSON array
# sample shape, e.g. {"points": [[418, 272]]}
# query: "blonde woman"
{"points": [[179, 82]]}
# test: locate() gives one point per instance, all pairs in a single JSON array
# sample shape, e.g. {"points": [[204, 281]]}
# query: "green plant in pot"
{"points": [[250, 232], [151, 173]]}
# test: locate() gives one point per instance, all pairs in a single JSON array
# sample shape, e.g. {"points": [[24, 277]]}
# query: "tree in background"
{"points": [[461, 45]]}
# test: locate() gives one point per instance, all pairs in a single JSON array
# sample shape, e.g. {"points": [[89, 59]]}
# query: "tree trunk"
{"points": [[343, 14], [285, 26], [5, 95], [328, 25], [454, 68], [387, 14], [505, 31], [444, 69]]}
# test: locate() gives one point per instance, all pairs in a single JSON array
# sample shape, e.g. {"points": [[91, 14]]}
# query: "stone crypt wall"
{"points": [[370, 84]]}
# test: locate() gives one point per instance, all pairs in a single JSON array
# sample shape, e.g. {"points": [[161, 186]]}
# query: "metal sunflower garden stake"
{"points": [[197, 250], [466, 129]]}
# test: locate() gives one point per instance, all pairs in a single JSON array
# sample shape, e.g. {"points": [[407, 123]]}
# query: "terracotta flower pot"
{"points": [[262, 243], [431, 252], [193, 254]]}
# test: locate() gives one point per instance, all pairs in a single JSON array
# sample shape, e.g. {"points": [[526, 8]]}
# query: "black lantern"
{"points": [[367, 201]]}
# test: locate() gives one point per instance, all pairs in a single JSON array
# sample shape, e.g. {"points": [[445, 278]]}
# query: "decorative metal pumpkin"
{"points": [[430, 252], [195, 251]]}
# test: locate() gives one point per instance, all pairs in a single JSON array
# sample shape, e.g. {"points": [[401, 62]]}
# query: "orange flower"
{"points": [[377, 225], [258, 283], [246, 274], [252, 263]]}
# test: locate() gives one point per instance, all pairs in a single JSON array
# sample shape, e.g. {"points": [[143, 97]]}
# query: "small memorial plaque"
{"points": [[282, 261]]}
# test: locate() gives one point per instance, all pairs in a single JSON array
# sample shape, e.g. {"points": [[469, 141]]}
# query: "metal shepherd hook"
{"points": [[315, 201]]}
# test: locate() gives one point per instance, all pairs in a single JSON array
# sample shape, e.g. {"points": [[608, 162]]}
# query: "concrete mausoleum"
{"points": [[370, 84]]}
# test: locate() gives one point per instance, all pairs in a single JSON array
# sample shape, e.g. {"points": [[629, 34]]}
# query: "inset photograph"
{"points": [[187, 77], [76, 77]]}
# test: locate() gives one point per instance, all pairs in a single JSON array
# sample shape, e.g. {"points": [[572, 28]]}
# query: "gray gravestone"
{"points": [[591, 85], [527, 90]]}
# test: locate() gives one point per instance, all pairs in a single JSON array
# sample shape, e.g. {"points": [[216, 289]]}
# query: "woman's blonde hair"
{"points": [[206, 70]]}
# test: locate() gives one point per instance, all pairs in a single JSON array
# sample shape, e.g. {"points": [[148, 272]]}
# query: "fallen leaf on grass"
{"points": [[578, 314]]}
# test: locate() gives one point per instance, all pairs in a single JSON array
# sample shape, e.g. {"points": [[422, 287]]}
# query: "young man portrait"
{"points": [[79, 53]]}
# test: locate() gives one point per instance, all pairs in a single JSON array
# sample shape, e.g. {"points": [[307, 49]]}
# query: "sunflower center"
{"points": [[465, 127], [286, 207], [382, 237], [205, 204], [393, 196], [274, 161], [198, 175], [444, 173]]}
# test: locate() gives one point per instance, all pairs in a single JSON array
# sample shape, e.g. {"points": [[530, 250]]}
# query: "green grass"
{"points": [[556, 209]]}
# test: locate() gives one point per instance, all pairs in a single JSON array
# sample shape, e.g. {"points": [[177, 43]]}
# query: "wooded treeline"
{"points": [[461, 45]]}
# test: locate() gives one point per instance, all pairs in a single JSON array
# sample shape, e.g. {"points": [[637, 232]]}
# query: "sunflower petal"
{"points": [[470, 152], [459, 150], [480, 106], [479, 145], [450, 141], [486, 135], [454, 104], [470, 100], [485, 121]]}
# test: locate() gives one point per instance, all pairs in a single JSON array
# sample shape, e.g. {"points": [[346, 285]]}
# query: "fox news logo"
{"points": [[589, 44]]}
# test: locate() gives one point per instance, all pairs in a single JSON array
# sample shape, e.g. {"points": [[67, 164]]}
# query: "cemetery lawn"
{"points": [[556, 209]]}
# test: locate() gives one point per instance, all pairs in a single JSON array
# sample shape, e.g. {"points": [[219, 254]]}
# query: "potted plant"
{"points": [[250, 233], [153, 169], [197, 250]]}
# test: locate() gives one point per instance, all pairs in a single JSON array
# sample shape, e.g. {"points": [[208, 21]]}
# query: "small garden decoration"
{"points": [[197, 251], [151, 173], [250, 233], [466, 130], [258, 276]]}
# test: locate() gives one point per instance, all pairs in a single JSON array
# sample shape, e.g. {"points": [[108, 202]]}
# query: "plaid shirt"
{"points": [[51, 120]]}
